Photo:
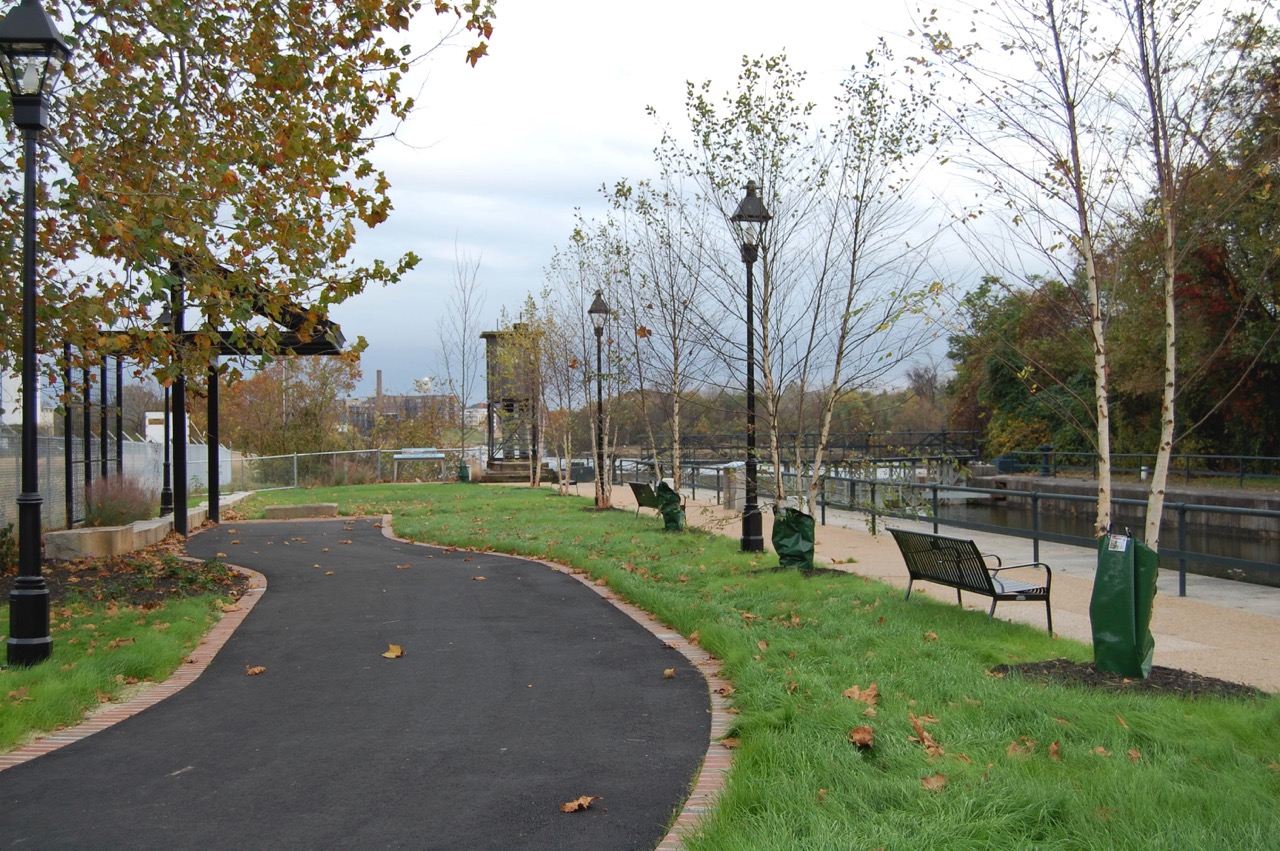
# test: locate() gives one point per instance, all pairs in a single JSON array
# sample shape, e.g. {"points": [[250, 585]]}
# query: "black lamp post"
{"points": [[599, 313], [32, 54], [751, 215], [166, 470]]}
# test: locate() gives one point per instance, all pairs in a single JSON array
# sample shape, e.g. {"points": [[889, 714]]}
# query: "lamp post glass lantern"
{"points": [[32, 54], [751, 217], [599, 313]]}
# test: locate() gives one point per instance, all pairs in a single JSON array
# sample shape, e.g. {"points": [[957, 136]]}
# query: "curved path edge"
{"points": [[110, 714], [718, 759]]}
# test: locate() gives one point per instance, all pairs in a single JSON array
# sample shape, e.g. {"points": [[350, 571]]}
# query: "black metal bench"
{"points": [[957, 563], [645, 496]]}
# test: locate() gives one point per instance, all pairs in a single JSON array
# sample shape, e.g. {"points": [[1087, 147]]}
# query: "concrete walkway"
{"points": [[1222, 628]]}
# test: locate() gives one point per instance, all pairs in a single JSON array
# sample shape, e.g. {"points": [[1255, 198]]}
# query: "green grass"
{"points": [[1131, 771], [99, 650]]}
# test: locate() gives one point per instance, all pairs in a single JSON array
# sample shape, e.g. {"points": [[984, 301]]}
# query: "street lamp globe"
{"points": [[599, 312], [32, 54]]}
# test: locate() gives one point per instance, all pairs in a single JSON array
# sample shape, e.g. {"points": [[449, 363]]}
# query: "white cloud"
{"points": [[497, 157]]}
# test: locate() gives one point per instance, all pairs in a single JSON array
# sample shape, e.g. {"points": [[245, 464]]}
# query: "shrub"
{"points": [[8, 550], [119, 501]]}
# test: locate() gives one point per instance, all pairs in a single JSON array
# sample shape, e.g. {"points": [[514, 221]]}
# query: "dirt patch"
{"points": [[1161, 681], [147, 576]]}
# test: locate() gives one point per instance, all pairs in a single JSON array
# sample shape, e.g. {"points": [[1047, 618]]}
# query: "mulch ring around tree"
{"points": [[142, 578], [1161, 680]]}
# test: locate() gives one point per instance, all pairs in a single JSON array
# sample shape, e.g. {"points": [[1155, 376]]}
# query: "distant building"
{"points": [[363, 415], [475, 415]]}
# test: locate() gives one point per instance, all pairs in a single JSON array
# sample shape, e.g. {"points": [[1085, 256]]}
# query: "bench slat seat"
{"points": [[957, 563], [645, 496]]}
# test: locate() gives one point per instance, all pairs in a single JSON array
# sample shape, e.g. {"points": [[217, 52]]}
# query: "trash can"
{"points": [[669, 507], [1124, 590], [793, 538]]}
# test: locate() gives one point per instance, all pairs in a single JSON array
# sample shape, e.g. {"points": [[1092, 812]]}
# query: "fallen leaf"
{"points": [[19, 695], [1022, 745], [220, 555], [394, 651], [822, 796], [120, 642], [870, 695], [477, 579], [922, 735], [731, 743], [345, 541], [934, 782], [403, 566], [863, 737], [229, 608], [254, 671], [1123, 723], [1055, 752], [578, 804], [931, 636], [1135, 755], [693, 638], [328, 573], [1101, 751], [669, 674], [763, 645]]}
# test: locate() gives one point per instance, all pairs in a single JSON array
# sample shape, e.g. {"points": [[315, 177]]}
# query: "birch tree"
{"points": [[841, 261], [1039, 129]]}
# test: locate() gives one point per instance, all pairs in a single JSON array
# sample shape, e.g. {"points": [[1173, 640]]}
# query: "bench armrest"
{"points": [[1048, 571], [999, 563]]}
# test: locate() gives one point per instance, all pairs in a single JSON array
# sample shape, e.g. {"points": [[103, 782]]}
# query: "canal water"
{"points": [[1210, 543]]}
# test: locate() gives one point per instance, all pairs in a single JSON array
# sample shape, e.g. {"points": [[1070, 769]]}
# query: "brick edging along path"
{"points": [[149, 694]]}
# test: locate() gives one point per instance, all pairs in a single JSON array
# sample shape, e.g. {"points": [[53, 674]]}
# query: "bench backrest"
{"points": [[645, 497], [951, 561]]}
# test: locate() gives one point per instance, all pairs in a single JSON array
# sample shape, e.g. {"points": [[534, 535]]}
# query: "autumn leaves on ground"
{"points": [[864, 721]]}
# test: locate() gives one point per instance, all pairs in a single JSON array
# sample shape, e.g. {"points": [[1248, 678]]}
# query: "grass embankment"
{"points": [[959, 759], [118, 627]]}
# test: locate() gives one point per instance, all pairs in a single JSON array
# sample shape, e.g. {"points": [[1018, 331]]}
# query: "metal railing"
{"points": [[1042, 512], [1238, 470]]}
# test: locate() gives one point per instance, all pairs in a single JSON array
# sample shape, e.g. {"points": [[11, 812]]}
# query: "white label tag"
{"points": [[1118, 543]]}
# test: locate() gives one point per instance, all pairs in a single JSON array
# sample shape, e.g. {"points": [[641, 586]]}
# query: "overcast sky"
{"points": [[498, 157]]}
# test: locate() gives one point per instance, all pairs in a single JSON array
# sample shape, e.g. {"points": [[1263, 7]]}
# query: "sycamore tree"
{"points": [[228, 142]]}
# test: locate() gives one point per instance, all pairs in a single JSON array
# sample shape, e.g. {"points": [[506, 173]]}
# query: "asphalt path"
{"points": [[516, 693]]}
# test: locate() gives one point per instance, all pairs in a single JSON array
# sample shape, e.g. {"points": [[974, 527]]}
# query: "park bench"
{"points": [[646, 497], [418, 453], [957, 563]]}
